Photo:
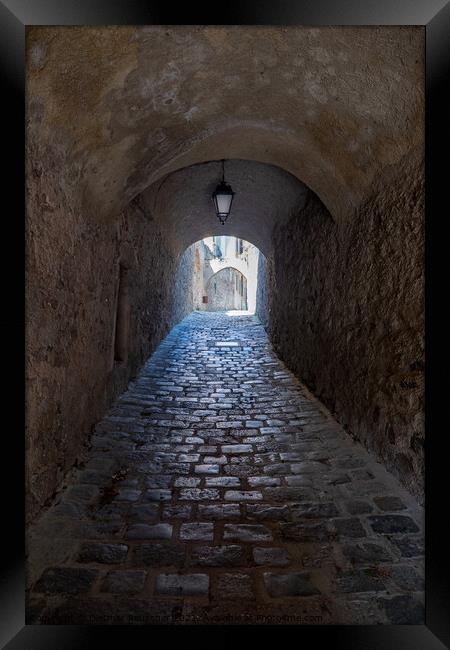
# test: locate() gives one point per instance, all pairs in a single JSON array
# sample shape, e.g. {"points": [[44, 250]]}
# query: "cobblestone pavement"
{"points": [[219, 490]]}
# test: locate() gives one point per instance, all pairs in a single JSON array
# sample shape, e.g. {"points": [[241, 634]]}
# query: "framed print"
{"points": [[233, 409]]}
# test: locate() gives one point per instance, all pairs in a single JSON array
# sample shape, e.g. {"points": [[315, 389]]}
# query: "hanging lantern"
{"points": [[223, 198]]}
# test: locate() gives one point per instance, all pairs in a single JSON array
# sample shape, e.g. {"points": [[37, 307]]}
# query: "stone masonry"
{"points": [[219, 490], [344, 308], [126, 131]]}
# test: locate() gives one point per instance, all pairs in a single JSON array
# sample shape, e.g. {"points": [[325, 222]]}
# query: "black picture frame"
{"points": [[434, 15]]}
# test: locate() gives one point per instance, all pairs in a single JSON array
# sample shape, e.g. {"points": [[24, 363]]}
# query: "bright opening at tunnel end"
{"points": [[224, 275]]}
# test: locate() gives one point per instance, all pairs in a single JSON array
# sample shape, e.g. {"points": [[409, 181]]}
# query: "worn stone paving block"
{"points": [[318, 555], [366, 553], [219, 511], [322, 510], [223, 481], [408, 546], [194, 584], [102, 553], [312, 532], [389, 503], [386, 524], [356, 507], [158, 495], [115, 610], [298, 481], [67, 580], [283, 585], [268, 512], [157, 554], [154, 482], [350, 527], [403, 610], [243, 470], [406, 577], [350, 462], [178, 511], [227, 555], [149, 531], [177, 468], [360, 580], [233, 586], [187, 481], [144, 512], [207, 449], [236, 449], [334, 478], [367, 488], [266, 481], [254, 424], [123, 581], [197, 531], [278, 469], [247, 533], [271, 556], [243, 495], [236, 424], [308, 467], [288, 494], [215, 460], [198, 494], [207, 469]]}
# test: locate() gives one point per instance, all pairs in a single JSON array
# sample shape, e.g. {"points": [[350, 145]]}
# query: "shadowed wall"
{"points": [[343, 305]]}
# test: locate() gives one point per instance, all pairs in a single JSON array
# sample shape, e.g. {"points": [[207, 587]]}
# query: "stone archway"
{"points": [[217, 475], [342, 105], [227, 290], [322, 131]]}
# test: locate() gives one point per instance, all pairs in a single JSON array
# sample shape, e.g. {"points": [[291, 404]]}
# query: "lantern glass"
{"points": [[223, 198], [224, 203]]}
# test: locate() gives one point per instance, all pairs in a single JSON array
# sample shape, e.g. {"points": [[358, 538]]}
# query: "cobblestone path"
{"points": [[218, 490]]}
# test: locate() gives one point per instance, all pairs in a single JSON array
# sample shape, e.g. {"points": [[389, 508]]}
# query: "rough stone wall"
{"points": [[262, 289], [344, 308], [198, 253], [183, 288], [71, 300]]}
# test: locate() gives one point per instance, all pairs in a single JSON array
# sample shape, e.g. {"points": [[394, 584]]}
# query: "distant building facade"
{"points": [[225, 272]]}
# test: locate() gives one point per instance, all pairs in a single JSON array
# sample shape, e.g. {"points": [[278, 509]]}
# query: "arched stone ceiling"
{"points": [[124, 106], [181, 203]]}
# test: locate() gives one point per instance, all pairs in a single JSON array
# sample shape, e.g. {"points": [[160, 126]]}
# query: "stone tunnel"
{"points": [[321, 131]]}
